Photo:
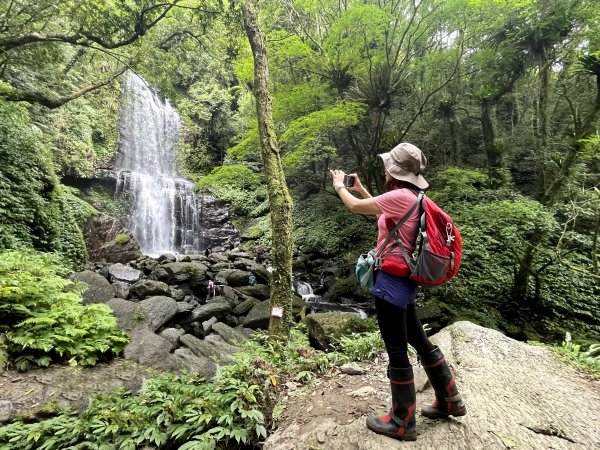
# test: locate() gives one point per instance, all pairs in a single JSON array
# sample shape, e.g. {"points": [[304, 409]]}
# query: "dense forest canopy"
{"points": [[503, 96]]}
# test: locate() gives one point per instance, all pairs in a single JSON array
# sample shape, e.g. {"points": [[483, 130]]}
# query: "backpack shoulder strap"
{"points": [[394, 230]]}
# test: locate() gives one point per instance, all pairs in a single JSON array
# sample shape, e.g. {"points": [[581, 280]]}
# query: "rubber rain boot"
{"points": [[400, 423], [448, 401]]}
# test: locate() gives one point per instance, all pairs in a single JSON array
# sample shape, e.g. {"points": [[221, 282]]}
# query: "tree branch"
{"points": [[17, 95]]}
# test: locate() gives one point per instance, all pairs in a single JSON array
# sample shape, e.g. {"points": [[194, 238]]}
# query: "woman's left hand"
{"points": [[338, 176]]}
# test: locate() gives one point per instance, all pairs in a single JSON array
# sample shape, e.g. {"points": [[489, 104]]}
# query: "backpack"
{"points": [[439, 245]]}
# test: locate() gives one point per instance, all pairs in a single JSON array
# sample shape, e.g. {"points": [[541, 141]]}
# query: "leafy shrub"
{"points": [[37, 212], [572, 354], [185, 412], [43, 319], [324, 225], [237, 185]]}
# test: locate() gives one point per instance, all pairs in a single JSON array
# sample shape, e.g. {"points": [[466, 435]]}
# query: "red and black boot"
{"points": [[400, 423], [448, 401]]}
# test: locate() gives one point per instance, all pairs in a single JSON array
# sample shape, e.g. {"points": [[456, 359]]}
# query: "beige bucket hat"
{"points": [[406, 162]]}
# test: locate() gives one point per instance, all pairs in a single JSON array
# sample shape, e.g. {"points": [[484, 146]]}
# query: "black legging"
{"points": [[400, 327]]}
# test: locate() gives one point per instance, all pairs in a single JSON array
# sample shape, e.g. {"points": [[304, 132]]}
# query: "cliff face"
{"points": [[518, 397]]}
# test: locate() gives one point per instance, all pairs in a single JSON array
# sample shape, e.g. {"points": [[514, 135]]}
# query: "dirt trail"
{"points": [[518, 397]]}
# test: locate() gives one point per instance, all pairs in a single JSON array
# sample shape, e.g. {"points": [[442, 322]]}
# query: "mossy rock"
{"points": [[325, 329]]}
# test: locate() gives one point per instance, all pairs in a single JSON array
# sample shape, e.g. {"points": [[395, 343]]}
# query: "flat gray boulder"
{"points": [[518, 396], [181, 273], [158, 311], [121, 272]]}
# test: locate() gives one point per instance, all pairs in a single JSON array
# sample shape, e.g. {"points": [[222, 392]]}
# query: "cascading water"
{"points": [[166, 214]]}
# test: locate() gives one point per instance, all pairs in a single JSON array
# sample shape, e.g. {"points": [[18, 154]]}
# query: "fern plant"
{"points": [[42, 317]]}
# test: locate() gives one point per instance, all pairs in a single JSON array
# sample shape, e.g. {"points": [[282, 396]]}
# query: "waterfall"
{"points": [[305, 290], [165, 213]]}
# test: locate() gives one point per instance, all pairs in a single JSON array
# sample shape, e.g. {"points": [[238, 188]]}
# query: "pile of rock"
{"points": [[189, 313]]}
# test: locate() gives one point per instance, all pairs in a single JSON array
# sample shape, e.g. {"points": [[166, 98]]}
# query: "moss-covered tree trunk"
{"points": [[279, 198]]}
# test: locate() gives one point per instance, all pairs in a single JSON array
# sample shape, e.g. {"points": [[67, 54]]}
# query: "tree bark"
{"points": [[493, 150], [280, 201]]}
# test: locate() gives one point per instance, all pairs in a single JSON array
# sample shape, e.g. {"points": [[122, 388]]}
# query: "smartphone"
{"points": [[349, 180]]}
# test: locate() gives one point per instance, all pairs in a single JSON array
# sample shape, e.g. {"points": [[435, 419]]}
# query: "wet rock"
{"points": [[107, 239]]}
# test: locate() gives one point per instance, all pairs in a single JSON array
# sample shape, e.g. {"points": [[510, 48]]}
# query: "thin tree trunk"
{"points": [[493, 150], [280, 201]]}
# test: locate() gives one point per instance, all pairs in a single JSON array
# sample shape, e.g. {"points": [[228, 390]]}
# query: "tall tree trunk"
{"points": [[541, 130], [280, 201], [492, 149]]}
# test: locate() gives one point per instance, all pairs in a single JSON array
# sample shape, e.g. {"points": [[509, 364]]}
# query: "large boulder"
{"points": [[259, 291], [201, 313], [518, 396], [121, 272], [129, 315], [107, 239], [228, 334], [259, 315], [196, 364], [158, 311], [151, 350], [98, 289], [188, 274], [148, 288], [325, 328], [233, 277]]}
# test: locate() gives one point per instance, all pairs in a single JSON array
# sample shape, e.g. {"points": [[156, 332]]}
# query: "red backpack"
{"points": [[439, 248]]}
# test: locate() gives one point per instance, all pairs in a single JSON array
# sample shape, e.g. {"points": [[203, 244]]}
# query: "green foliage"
{"points": [[239, 186], [324, 225], [121, 239], [43, 319], [185, 411], [361, 346], [37, 212], [572, 354], [26, 180], [310, 138]]}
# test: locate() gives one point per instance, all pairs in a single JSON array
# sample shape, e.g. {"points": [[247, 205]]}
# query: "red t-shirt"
{"points": [[394, 205]]}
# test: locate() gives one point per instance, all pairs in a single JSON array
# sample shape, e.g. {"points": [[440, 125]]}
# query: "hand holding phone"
{"points": [[349, 180]]}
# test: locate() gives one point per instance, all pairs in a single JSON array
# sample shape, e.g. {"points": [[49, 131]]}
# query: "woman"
{"points": [[395, 295]]}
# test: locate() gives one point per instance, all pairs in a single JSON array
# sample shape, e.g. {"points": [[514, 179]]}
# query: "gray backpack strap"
{"points": [[409, 261]]}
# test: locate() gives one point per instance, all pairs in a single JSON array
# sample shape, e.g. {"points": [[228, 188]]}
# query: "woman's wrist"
{"points": [[338, 186]]}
